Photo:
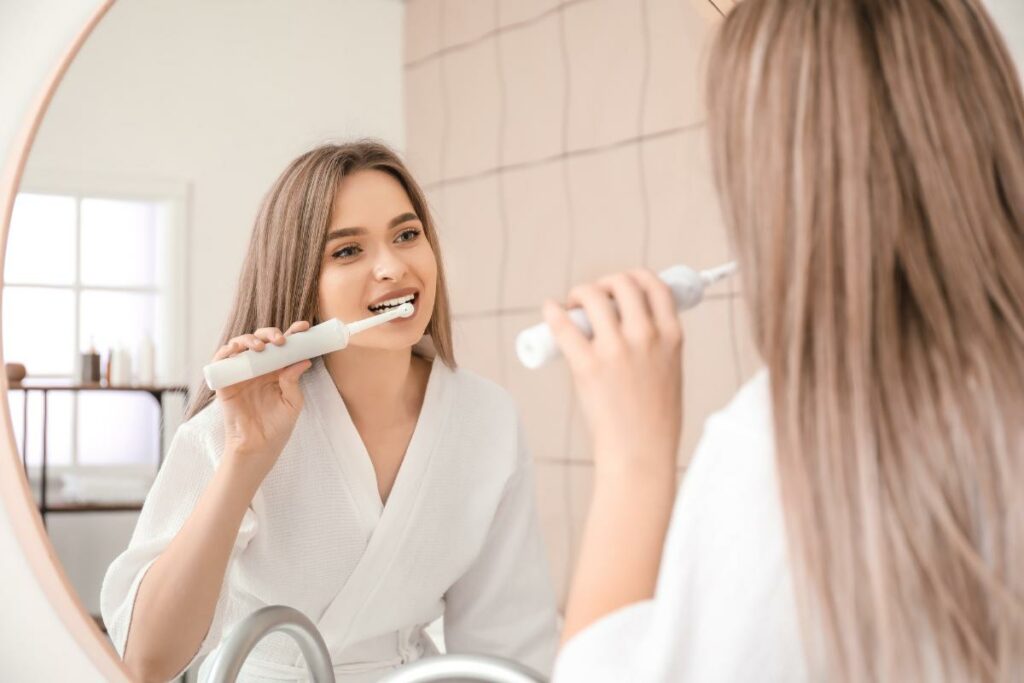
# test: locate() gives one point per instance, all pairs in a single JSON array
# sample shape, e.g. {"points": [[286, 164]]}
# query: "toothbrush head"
{"points": [[406, 310]]}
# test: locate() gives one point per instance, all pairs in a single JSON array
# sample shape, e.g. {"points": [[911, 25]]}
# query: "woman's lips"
{"points": [[414, 302]]}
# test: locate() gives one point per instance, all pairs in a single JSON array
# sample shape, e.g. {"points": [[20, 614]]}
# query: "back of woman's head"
{"points": [[281, 272], [870, 161]]}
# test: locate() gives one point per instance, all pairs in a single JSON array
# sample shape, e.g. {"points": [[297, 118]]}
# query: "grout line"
{"points": [[717, 8], [493, 33], [565, 154]]}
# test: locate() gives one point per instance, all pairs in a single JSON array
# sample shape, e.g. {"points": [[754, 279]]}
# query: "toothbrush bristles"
{"points": [[403, 311]]}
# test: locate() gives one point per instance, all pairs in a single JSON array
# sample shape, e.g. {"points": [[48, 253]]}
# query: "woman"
{"points": [[374, 489], [856, 512]]}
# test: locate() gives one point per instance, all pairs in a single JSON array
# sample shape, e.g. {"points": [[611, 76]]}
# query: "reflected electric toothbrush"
{"points": [[536, 345], [332, 335]]}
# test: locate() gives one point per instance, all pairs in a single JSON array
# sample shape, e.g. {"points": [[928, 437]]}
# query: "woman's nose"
{"points": [[388, 267]]}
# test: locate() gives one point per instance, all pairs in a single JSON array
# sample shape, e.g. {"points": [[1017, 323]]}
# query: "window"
{"points": [[90, 269]]}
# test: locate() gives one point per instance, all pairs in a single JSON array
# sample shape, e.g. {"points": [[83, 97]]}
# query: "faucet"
{"points": [[240, 641], [463, 668], [249, 631]]}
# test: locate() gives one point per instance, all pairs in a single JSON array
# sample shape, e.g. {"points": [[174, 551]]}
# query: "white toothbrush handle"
{"points": [[326, 337], [536, 345]]}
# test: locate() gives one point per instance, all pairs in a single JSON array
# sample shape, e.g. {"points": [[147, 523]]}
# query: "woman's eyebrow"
{"points": [[348, 232]]}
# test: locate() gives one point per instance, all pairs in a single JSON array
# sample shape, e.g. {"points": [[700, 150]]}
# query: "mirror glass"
{"points": [[548, 158]]}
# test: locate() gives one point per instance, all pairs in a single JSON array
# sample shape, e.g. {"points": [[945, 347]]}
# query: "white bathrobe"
{"points": [[459, 535], [724, 609]]}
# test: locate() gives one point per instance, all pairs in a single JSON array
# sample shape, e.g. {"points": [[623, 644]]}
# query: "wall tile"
{"points": [[424, 120], [472, 242], [477, 345], [539, 233], [473, 100], [686, 224], [607, 213], [678, 38], [516, 11], [468, 20], [422, 28], [542, 395], [604, 42], [711, 10], [534, 81]]}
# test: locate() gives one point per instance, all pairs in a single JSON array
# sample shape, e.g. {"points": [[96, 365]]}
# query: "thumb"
{"points": [[288, 381]]}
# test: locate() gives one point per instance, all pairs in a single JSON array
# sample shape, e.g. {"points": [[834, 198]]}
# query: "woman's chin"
{"points": [[388, 340]]}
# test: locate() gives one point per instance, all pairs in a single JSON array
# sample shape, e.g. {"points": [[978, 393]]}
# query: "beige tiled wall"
{"points": [[560, 140]]}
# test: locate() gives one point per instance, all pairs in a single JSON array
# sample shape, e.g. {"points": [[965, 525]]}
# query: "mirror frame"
{"points": [[17, 498]]}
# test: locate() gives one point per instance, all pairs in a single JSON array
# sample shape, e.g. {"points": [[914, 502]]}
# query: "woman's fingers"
{"points": [[297, 326], [598, 306], [233, 347], [271, 335], [633, 309], [258, 340], [662, 304]]}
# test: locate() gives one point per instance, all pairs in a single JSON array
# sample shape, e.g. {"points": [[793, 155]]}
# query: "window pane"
{"points": [[39, 329], [112, 318], [58, 426], [117, 428], [41, 245], [119, 242]]}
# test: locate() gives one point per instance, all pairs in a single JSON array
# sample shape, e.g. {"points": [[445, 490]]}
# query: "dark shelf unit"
{"points": [[45, 507]]}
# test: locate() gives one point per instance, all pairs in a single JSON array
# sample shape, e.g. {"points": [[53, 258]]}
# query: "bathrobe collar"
{"points": [[385, 525]]}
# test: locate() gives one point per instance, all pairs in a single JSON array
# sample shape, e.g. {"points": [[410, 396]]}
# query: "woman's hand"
{"points": [[260, 413], [629, 376], [629, 382]]}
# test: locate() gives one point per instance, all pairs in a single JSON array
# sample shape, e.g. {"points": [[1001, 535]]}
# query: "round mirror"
{"points": [[556, 140]]}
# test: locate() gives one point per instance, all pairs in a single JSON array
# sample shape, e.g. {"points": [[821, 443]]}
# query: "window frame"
{"points": [[174, 206]]}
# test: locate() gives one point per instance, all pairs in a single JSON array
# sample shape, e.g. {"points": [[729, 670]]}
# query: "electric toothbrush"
{"points": [[332, 335], [536, 345]]}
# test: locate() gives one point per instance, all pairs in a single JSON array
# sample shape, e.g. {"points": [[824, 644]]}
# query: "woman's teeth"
{"points": [[391, 303]]}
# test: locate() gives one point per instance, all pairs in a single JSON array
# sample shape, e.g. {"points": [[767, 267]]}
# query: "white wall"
{"points": [[1009, 15], [221, 95], [218, 96]]}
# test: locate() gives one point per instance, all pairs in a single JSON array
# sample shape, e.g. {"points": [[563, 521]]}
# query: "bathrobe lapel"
{"points": [[386, 524]]}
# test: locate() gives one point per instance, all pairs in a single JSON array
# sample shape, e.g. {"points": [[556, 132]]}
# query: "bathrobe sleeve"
{"points": [[186, 471], [723, 609], [504, 605]]}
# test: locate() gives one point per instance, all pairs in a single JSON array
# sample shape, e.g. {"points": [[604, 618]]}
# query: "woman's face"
{"points": [[377, 251]]}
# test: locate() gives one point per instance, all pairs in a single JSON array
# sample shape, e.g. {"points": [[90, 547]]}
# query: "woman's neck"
{"points": [[380, 387]]}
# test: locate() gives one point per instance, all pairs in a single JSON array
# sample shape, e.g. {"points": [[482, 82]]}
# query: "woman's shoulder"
{"points": [[205, 428], [747, 416], [735, 456]]}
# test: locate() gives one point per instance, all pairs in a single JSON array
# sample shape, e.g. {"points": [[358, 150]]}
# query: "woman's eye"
{"points": [[408, 235], [346, 252]]}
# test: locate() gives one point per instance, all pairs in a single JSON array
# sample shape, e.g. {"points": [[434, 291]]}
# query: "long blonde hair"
{"points": [[281, 273], [870, 159]]}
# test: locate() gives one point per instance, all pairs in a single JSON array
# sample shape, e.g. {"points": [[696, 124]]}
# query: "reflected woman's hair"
{"points": [[870, 159], [280, 276]]}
